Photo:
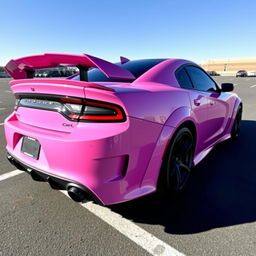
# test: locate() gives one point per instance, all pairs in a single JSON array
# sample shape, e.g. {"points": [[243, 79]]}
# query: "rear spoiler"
{"points": [[25, 67]]}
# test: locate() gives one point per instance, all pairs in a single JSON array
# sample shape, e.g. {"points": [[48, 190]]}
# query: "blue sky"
{"points": [[192, 29]]}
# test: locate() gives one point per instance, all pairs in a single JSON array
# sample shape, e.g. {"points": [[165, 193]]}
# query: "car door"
{"points": [[199, 106], [217, 107]]}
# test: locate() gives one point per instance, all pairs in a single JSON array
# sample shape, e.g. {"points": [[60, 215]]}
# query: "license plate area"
{"points": [[30, 147]]}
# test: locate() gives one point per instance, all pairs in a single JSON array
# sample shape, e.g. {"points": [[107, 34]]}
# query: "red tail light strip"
{"points": [[72, 100], [74, 109], [119, 115]]}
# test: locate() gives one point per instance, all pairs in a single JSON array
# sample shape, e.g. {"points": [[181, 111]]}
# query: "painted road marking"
{"points": [[141, 237], [2, 108], [8, 175], [253, 86], [7, 91], [1, 124]]}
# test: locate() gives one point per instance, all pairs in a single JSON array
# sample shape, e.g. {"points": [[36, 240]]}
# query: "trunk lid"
{"points": [[40, 96]]}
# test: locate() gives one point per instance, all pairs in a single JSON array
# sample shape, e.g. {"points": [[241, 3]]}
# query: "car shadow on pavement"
{"points": [[221, 192]]}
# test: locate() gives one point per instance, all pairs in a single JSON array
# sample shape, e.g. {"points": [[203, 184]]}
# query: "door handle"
{"points": [[197, 102]]}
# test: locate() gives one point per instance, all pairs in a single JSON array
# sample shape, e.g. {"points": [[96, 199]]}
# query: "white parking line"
{"points": [[2, 108], [7, 91], [141, 237], [253, 86], [8, 175], [1, 124]]}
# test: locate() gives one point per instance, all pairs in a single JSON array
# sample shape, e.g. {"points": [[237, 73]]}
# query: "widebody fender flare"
{"points": [[179, 117], [238, 102]]}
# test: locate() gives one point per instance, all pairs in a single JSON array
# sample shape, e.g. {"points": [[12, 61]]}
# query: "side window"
{"points": [[183, 79], [200, 80]]}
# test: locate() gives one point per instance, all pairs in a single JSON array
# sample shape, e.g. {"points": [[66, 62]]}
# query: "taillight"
{"points": [[102, 112], [75, 109]]}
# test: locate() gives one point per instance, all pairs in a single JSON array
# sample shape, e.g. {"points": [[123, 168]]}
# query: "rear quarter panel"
{"points": [[156, 103]]}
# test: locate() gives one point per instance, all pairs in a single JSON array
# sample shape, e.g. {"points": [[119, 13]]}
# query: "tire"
{"points": [[177, 165], [236, 126]]}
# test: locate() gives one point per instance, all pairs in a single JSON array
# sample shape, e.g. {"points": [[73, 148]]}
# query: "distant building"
{"points": [[229, 67]]}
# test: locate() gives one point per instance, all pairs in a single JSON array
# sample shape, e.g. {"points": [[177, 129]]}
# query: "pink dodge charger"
{"points": [[116, 132]]}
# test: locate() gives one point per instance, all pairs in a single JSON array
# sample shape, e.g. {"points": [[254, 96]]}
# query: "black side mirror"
{"points": [[227, 87]]}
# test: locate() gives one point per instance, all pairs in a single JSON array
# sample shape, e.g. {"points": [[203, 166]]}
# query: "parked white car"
{"points": [[251, 73]]}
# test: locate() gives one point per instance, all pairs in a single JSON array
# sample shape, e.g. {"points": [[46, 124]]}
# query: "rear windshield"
{"points": [[136, 67]]}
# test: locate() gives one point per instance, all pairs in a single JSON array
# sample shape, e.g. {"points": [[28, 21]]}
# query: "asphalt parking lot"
{"points": [[215, 216]]}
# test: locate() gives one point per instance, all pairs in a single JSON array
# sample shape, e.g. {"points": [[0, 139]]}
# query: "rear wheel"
{"points": [[236, 126], [177, 166]]}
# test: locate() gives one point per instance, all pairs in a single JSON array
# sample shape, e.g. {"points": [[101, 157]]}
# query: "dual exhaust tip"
{"points": [[74, 191], [77, 194]]}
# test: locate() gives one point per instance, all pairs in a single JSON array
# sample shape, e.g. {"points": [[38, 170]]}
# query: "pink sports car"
{"points": [[116, 132]]}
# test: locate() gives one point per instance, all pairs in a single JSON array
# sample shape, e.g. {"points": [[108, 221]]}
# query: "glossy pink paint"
{"points": [[96, 154]]}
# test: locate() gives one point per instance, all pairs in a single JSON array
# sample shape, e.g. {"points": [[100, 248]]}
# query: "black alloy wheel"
{"points": [[179, 162], [236, 126]]}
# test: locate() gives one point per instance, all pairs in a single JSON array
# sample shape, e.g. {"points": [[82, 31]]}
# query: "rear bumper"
{"points": [[109, 160], [54, 182]]}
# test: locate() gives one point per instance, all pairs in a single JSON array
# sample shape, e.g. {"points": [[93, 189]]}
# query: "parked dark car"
{"points": [[54, 73], [213, 73], [241, 73], [4, 75]]}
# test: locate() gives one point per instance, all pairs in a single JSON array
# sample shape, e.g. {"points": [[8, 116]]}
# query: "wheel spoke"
{"points": [[185, 166], [178, 176], [178, 147], [187, 147], [183, 146]]}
